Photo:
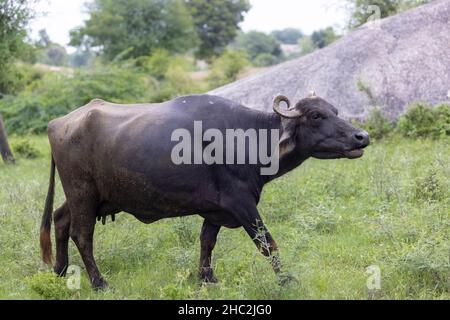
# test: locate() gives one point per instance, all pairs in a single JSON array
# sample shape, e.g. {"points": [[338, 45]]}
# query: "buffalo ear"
{"points": [[287, 139]]}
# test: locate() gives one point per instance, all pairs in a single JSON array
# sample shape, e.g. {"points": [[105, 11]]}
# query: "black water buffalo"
{"points": [[113, 158]]}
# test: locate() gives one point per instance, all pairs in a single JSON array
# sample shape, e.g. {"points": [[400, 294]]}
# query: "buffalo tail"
{"points": [[46, 224]]}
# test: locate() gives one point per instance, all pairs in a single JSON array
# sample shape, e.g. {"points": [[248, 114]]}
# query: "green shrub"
{"points": [[265, 60], [58, 94], [157, 64], [377, 125], [179, 289], [429, 187], [428, 262], [178, 78], [186, 231], [418, 122], [23, 148], [49, 286], [227, 67], [442, 114], [21, 75], [175, 80]]}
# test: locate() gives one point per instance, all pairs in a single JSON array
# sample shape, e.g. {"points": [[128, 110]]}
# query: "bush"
{"points": [[429, 264], [178, 79], [227, 67], [429, 187], [157, 64], [377, 125], [57, 94], [173, 75], [255, 43], [265, 60], [22, 75], [23, 148], [442, 114], [49, 286], [421, 121]]}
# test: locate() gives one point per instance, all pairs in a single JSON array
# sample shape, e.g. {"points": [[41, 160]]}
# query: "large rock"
{"points": [[392, 63]]}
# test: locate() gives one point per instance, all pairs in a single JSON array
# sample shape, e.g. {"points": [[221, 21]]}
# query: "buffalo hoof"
{"points": [[207, 276], [60, 271], [211, 279], [99, 284], [286, 278]]}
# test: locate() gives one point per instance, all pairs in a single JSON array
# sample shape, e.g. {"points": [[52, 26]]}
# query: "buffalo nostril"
{"points": [[362, 137]]}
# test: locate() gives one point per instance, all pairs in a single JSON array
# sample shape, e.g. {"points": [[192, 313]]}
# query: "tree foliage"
{"points": [[323, 37], [256, 43], [217, 23], [14, 17], [423, 121], [57, 94], [136, 27], [49, 52], [288, 35], [226, 68]]}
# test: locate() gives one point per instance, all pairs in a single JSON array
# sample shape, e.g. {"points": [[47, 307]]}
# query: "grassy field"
{"points": [[331, 219]]}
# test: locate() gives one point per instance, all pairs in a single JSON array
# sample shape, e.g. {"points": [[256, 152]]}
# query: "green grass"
{"points": [[331, 219]]}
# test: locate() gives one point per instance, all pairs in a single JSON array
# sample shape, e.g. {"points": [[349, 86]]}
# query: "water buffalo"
{"points": [[119, 158]]}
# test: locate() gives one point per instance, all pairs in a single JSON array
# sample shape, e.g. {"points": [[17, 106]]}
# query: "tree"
{"points": [[362, 10], [226, 68], [256, 43], [217, 23], [44, 39], [14, 17], [49, 52], [56, 55], [306, 45], [323, 37], [5, 150], [81, 58], [288, 35], [133, 28]]}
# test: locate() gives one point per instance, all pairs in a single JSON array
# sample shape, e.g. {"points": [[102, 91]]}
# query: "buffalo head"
{"points": [[314, 128]]}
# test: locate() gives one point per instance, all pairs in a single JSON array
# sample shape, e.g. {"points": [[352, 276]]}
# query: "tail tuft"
{"points": [[46, 246], [46, 224]]}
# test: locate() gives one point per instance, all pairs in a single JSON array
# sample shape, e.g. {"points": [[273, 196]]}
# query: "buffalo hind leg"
{"points": [[208, 239], [82, 225], [61, 217]]}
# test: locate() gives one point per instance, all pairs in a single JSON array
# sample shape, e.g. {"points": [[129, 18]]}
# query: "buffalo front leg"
{"points": [[208, 239], [253, 224], [268, 247], [61, 217], [265, 243]]}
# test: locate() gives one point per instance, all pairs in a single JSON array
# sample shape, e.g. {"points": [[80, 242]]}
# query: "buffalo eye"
{"points": [[316, 116]]}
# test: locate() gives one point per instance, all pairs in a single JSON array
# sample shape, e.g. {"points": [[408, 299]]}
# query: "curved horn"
{"points": [[290, 114]]}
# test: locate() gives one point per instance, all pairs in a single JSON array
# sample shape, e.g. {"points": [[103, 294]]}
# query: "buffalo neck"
{"points": [[288, 161]]}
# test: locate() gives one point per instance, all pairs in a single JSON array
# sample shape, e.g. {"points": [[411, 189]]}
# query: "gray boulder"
{"points": [[389, 63]]}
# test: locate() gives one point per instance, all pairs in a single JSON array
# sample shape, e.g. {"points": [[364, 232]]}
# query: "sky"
{"points": [[58, 17]]}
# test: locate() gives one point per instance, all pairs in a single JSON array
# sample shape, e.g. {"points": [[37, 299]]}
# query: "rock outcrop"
{"points": [[390, 63]]}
